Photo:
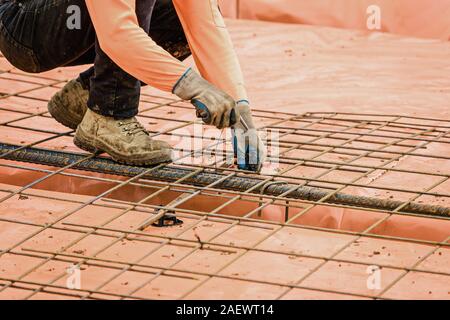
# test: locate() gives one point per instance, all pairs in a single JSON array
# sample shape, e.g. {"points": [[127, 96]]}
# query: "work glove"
{"points": [[213, 105], [249, 150]]}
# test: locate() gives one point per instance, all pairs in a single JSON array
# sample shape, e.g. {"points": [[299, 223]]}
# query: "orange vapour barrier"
{"points": [[418, 18], [364, 114]]}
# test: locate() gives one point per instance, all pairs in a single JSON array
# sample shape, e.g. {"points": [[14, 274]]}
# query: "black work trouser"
{"points": [[40, 35]]}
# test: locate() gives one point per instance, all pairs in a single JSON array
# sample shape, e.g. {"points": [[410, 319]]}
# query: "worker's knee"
{"points": [[18, 55]]}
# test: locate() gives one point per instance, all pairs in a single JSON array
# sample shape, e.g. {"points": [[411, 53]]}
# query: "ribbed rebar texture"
{"points": [[172, 173]]}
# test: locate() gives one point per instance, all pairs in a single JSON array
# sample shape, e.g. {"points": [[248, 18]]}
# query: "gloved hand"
{"points": [[213, 105], [249, 150]]}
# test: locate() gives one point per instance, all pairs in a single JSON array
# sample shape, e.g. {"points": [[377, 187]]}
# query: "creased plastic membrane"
{"points": [[419, 18]]}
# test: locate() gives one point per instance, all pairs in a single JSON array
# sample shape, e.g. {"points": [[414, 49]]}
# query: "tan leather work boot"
{"points": [[126, 141], [69, 105]]}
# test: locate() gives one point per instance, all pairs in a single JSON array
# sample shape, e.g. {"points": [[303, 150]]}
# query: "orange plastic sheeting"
{"points": [[274, 256], [305, 69], [419, 18], [320, 216], [297, 68], [290, 68]]}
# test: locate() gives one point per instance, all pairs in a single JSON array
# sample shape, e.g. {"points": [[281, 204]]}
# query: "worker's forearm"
{"points": [[211, 45], [122, 39]]}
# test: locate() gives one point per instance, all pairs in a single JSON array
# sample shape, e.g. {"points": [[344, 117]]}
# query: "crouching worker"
{"points": [[131, 43]]}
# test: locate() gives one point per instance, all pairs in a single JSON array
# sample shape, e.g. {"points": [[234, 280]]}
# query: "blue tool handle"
{"points": [[203, 112], [233, 119]]}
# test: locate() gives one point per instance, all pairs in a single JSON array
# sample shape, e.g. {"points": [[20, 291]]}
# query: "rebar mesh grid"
{"points": [[232, 243]]}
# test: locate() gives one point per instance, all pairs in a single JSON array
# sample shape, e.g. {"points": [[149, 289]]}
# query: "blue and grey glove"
{"points": [[249, 149], [213, 105]]}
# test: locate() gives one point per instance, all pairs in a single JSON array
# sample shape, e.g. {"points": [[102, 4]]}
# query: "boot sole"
{"points": [[85, 144], [59, 113]]}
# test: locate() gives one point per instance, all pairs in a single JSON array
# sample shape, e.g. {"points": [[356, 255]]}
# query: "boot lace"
{"points": [[132, 127]]}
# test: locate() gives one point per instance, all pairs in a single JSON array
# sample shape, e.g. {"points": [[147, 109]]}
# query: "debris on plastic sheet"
{"points": [[198, 238]]}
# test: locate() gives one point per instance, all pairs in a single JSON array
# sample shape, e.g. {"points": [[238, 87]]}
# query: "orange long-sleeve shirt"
{"points": [[132, 49]]}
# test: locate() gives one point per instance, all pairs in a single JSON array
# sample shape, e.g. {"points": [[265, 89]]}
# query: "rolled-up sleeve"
{"points": [[211, 45], [130, 47]]}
